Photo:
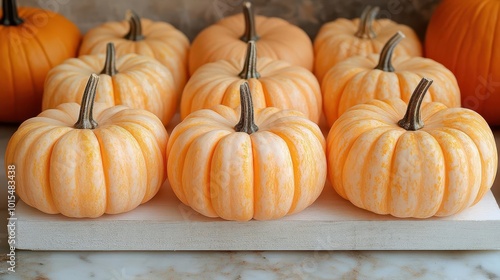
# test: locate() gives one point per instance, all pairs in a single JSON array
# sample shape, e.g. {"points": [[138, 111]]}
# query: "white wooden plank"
{"points": [[331, 223]]}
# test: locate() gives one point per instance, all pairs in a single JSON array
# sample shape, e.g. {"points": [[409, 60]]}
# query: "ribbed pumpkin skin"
{"points": [[280, 85], [83, 172], [141, 83], [464, 35], [439, 170], [161, 41], [27, 52], [355, 81], [278, 40], [278, 170], [336, 41]]}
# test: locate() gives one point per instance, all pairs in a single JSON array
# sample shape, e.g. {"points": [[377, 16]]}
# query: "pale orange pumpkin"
{"points": [[32, 41], [275, 38], [70, 163], [156, 39], [343, 38], [359, 79], [263, 166], [273, 83], [137, 81], [430, 161], [464, 35]]}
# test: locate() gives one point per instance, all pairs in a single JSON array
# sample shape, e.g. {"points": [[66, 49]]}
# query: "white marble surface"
{"points": [[255, 265]]}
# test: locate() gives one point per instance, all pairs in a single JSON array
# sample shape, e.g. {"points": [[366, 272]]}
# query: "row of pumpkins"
{"points": [[235, 155]]}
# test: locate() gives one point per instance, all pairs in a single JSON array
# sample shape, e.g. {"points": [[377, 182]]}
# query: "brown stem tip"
{"points": [[250, 67], [412, 119], [247, 121], [85, 119], [365, 29], [250, 33]]}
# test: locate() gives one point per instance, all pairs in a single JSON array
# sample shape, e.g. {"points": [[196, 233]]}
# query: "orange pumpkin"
{"points": [[430, 161], [273, 83], [134, 80], [32, 42], [70, 163], [263, 166], [463, 36], [359, 79], [343, 38], [156, 39], [275, 38]]}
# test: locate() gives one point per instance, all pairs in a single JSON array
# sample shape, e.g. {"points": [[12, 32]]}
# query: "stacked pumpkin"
{"points": [[249, 145]]}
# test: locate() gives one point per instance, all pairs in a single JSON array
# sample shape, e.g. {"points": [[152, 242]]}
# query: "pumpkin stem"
{"points": [[412, 119], [250, 33], [365, 29], [85, 119], [110, 64], [10, 16], [135, 31], [250, 67], [247, 122], [385, 59]]}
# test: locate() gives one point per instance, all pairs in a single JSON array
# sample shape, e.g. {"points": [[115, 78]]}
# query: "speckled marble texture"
{"points": [[256, 265]]}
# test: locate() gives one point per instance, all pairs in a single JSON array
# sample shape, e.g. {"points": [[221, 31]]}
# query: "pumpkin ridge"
{"points": [[364, 164], [29, 137], [468, 201], [388, 196], [446, 189]]}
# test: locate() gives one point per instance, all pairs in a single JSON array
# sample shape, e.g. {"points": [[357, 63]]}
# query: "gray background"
{"points": [[191, 16]]}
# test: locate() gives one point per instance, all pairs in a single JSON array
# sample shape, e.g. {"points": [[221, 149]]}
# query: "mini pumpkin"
{"points": [[273, 83], [416, 160], [156, 39], [134, 80], [343, 38], [275, 38], [463, 36], [359, 79], [32, 42], [70, 163], [237, 165]]}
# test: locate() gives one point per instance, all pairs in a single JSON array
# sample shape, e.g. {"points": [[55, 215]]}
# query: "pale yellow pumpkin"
{"points": [[430, 161], [262, 169], [70, 163], [273, 83], [360, 79], [134, 80]]}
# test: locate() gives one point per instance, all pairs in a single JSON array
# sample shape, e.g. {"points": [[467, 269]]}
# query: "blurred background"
{"points": [[190, 16]]}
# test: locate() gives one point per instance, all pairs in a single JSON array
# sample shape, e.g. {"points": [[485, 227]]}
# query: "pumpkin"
{"points": [[343, 38], [240, 164], [416, 160], [156, 39], [275, 38], [359, 79], [33, 41], [273, 83], [463, 36], [70, 163], [134, 80]]}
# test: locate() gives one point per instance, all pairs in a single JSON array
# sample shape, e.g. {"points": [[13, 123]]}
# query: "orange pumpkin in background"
{"points": [[85, 161], [273, 83], [275, 38], [156, 39], [464, 35], [343, 38], [32, 42]]}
